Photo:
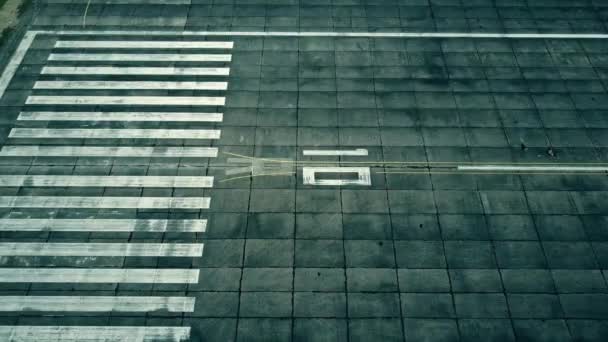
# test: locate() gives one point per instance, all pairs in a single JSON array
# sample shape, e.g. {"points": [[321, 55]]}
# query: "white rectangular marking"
{"points": [[357, 152], [109, 152], [127, 100], [139, 57], [106, 181], [192, 250], [547, 168], [110, 70], [29, 333], [98, 275], [138, 44], [112, 133], [130, 85], [124, 2], [104, 202], [364, 177], [103, 225], [96, 303], [122, 116]]}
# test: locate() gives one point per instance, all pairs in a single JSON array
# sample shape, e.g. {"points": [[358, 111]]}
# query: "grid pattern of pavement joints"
{"points": [[415, 257], [348, 15]]}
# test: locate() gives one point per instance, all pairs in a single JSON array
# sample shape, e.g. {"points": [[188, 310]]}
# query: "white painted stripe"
{"points": [[121, 116], [29, 333], [104, 202], [363, 176], [96, 303], [98, 275], [103, 225], [15, 61], [139, 57], [112, 133], [357, 152], [106, 181], [109, 70], [123, 2], [109, 151], [547, 168], [193, 250], [337, 34], [138, 44], [130, 85], [127, 100]]}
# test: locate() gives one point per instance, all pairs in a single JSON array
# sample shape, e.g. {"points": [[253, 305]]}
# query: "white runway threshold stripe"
{"points": [[536, 168], [115, 70], [138, 44], [127, 100], [114, 133], [139, 57], [130, 85], [192, 250], [123, 2], [109, 151], [122, 116], [105, 202], [103, 225], [356, 152], [98, 275], [106, 181], [96, 303], [37, 333]]}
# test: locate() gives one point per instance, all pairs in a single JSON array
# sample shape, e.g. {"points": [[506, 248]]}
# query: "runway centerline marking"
{"points": [[547, 168], [260, 166]]}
